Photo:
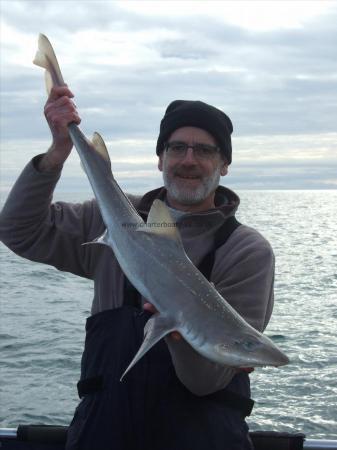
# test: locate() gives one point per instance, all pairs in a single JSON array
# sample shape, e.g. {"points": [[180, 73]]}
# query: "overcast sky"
{"points": [[271, 66]]}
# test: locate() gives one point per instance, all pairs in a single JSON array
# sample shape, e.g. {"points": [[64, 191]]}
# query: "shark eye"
{"points": [[249, 344]]}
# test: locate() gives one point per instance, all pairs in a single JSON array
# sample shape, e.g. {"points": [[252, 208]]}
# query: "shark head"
{"points": [[250, 349]]}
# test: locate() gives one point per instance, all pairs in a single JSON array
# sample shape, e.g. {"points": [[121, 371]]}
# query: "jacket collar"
{"points": [[226, 202]]}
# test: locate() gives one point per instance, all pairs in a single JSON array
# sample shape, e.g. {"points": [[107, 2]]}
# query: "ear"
{"points": [[160, 162], [224, 169]]}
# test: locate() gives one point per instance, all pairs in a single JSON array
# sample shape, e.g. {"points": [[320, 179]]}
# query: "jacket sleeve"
{"points": [[244, 276], [33, 227], [243, 273]]}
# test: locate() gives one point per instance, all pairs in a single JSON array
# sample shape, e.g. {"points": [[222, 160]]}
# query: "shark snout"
{"points": [[273, 356], [269, 354], [253, 350]]}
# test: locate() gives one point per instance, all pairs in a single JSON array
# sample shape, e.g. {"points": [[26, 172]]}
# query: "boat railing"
{"points": [[38, 436]]}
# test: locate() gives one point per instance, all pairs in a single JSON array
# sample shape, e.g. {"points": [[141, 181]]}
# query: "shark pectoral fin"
{"points": [[103, 240], [159, 221], [156, 328]]}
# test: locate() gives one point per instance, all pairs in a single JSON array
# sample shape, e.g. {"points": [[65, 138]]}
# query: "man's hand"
{"points": [[149, 307], [59, 111], [246, 369]]}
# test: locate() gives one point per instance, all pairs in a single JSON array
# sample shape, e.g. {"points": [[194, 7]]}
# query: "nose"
{"points": [[189, 157]]}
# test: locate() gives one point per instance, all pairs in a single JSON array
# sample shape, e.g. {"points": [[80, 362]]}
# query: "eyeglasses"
{"points": [[178, 149]]}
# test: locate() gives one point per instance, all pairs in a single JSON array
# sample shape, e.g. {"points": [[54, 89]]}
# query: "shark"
{"points": [[152, 256]]}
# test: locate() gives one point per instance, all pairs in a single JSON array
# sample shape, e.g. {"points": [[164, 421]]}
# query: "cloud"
{"points": [[126, 62]]}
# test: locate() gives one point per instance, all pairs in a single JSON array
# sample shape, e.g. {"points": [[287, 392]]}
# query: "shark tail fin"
{"points": [[156, 328], [45, 58]]}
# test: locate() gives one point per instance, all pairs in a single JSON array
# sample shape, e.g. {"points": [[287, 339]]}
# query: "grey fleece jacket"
{"points": [[35, 228]]}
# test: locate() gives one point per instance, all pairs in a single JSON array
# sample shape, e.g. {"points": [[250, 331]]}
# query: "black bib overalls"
{"points": [[150, 409]]}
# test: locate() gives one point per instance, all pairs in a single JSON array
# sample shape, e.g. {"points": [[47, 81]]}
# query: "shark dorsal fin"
{"points": [[160, 221], [99, 144]]}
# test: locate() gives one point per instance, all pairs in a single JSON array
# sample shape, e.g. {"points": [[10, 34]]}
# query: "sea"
{"points": [[43, 313]]}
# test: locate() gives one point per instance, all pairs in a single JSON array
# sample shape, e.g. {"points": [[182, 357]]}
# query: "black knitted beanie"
{"points": [[184, 113]]}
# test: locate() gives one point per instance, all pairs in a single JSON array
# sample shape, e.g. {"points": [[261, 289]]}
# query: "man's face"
{"points": [[190, 180]]}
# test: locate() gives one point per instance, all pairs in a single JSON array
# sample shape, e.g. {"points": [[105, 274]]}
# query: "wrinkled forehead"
{"points": [[192, 135]]}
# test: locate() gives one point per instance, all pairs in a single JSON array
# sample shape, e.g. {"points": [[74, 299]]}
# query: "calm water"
{"points": [[43, 314]]}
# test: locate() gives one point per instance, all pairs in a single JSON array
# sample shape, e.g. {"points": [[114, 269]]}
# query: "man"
{"points": [[173, 399]]}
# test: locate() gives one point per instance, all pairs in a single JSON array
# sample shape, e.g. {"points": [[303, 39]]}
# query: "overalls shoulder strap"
{"points": [[220, 238]]}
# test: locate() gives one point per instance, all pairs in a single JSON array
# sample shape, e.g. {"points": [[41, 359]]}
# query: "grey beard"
{"points": [[192, 196]]}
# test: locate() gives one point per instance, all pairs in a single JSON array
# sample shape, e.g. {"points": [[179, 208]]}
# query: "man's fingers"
{"points": [[149, 307], [247, 369], [63, 101], [175, 335], [60, 112], [59, 91]]}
